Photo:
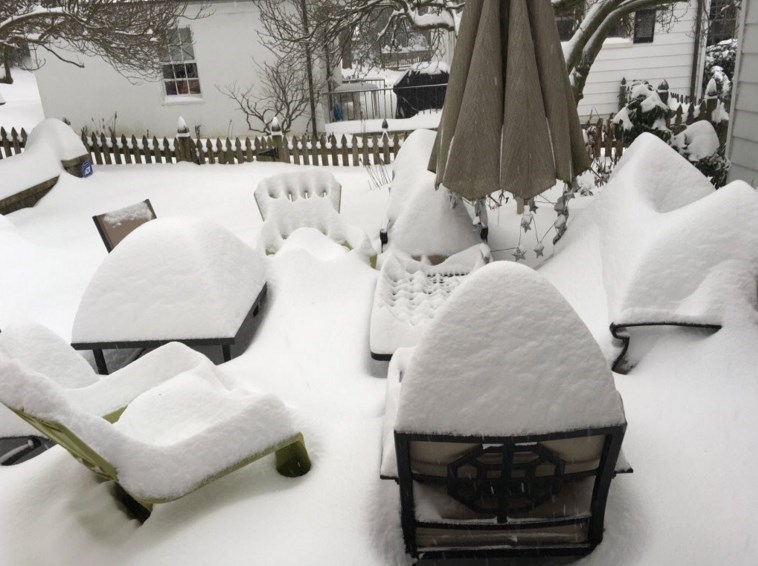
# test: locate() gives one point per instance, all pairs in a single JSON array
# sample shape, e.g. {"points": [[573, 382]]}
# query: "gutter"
{"points": [[698, 49]]}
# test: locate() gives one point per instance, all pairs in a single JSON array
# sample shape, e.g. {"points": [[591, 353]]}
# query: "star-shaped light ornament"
{"points": [[540, 249], [520, 253], [526, 221], [532, 205]]}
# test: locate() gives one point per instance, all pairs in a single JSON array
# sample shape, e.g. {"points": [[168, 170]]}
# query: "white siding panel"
{"points": [[668, 57], [743, 145], [745, 125], [745, 153], [750, 176], [747, 99], [750, 40]]}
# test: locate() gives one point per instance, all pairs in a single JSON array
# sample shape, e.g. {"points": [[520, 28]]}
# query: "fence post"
{"points": [[278, 138], [185, 147]]}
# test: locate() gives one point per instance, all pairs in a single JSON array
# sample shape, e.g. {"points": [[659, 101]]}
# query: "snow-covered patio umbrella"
{"points": [[509, 120]]}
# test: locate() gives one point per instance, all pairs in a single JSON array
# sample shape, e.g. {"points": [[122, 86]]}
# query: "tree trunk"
{"points": [[309, 65], [8, 78]]}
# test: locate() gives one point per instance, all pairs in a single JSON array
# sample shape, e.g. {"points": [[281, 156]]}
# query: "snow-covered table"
{"points": [[173, 279]]}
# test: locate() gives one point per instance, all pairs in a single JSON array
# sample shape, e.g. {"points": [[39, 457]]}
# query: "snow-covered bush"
{"points": [[644, 112], [700, 144], [719, 65]]}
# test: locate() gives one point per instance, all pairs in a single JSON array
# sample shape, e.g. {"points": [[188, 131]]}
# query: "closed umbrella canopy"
{"points": [[509, 120]]}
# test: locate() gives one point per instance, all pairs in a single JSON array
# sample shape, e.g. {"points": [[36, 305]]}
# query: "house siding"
{"points": [[668, 57], [743, 139], [226, 50]]}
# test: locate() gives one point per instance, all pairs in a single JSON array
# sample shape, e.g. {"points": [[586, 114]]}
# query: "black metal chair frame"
{"points": [[604, 474], [249, 324], [618, 329]]}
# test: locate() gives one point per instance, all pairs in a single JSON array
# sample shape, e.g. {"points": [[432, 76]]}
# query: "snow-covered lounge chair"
{"points": [[311, 184], [116, 225], [409, 293], [503, 426], [661, 246], [172, 279], [169, 441], [41, 350]]}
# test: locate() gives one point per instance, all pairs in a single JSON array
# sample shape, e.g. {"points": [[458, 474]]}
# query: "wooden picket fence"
{"points": [[12, 143], [354, 151]]}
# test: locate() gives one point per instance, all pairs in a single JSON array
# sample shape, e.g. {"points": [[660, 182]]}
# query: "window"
{"points": [[722, 21], [179, 67], [568, 20], [644, 26]]}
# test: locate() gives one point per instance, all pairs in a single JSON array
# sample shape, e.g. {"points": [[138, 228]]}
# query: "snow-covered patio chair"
{"points": [[660, 247], [173, 279], [311, 184], [409, 293], [116, 225], [423, 222], [169, 441], [283, 217], [503, 427], [41, 350]]}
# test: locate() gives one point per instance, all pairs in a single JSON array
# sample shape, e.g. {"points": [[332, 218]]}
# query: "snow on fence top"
{"points": [[172, 278], [507, 356], [417, 213]]}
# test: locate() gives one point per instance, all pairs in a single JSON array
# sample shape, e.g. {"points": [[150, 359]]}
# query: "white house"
{"points": [[653, 52], [216, 51], [743, 127]]}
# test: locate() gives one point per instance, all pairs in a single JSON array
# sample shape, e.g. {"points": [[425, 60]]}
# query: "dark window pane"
{"points": [[194, 87], [170, 88], [168, 71], [180, 71], [644, 26], [182, 88], [191, 70]]}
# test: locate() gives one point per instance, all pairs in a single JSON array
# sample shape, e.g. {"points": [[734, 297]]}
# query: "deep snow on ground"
{"points": [[691, 405], [22, 108]]}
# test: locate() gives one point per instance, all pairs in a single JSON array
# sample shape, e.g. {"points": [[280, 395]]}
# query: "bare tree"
{"points": [[129, 35], [284, 95]]}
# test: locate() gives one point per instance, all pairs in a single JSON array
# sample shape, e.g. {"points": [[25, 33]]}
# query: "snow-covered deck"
{"points": [[691, 405]]}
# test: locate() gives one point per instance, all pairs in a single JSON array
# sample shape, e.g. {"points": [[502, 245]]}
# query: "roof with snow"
{"points": [[172, 278], [507, 356]]}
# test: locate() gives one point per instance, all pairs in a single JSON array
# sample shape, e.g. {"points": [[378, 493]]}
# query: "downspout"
{"points": [[698, 48]]}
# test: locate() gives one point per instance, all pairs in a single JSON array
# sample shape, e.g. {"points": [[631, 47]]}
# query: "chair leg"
{"points": [[134, 508], [293, 461], [102, 367]]}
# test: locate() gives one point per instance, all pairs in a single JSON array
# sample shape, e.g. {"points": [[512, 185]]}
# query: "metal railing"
{"points": [[387, 102]]}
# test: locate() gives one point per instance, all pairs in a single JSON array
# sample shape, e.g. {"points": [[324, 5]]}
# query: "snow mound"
{"points": [[298, 185], [409, 293], [507, 356], [284, 218], [422, 220], [170, 440], [49, 146], [698, 141], [43, 351], [672, 249], [59, 136], [171, 279]]}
